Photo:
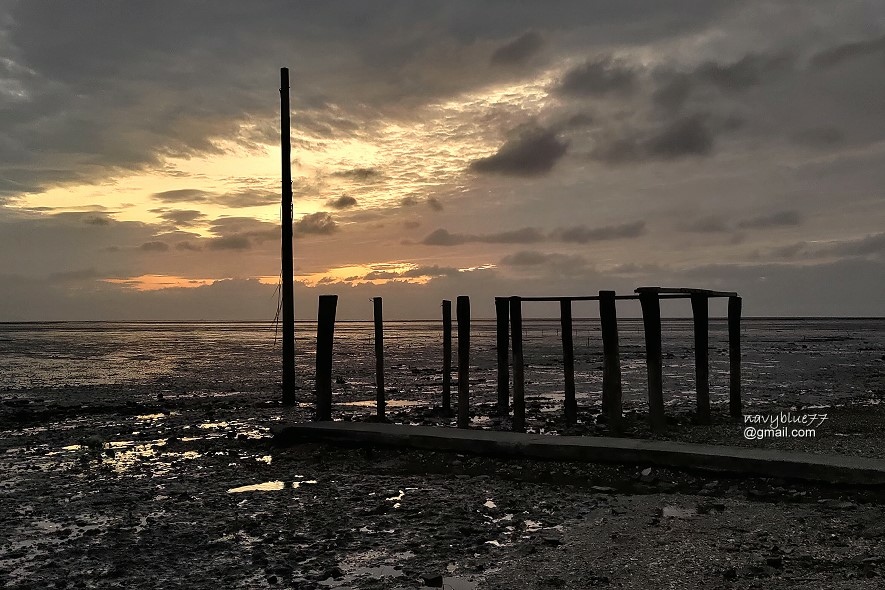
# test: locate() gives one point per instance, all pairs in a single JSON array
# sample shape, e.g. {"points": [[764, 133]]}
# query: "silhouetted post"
{"points": [[611, 366], [734, 356], [502, 313], [447, 356], [700, 310], [518, 365], [287, 292], [463, 312], [325, 332], [379, 358], [568, 361], [651, 319]]}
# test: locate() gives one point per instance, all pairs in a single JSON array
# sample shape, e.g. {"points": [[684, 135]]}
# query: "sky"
{"points": [[468, 147]]}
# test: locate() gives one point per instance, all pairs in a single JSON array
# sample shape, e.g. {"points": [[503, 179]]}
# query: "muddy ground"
{"points": [[190, 492]]}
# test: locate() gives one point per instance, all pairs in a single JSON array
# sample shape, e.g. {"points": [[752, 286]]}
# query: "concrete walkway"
{"points": [[763, 462]]}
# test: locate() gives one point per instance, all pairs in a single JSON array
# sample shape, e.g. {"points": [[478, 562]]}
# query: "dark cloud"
{"points": [[85, 274], [184, 195], [687, 136], [519, 50], [246, 198], [532, 152], [582, 234], [709, 224], [189, 246], [154, 246], [525, 258], [818, 136], [342, 202], [180, 217], [672, 93], [97, 220], [316, 223], [231, 242], [848, 51], [598, 77], [525, 235], [435, 204], [778, 219], [362, 174], [442, 237], [871, 244], [751, 70], [409, 201]]}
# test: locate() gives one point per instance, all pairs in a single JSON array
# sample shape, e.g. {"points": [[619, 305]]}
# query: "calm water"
{"points": [[784, 360]]}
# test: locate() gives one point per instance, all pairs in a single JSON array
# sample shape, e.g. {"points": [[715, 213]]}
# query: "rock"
{"points": [[432, 580], [333, 572], [775, 561], [730, 574], [551, 540]]}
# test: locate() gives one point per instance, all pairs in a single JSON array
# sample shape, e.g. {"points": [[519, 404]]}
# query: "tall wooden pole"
{"points": [[287, 267]]}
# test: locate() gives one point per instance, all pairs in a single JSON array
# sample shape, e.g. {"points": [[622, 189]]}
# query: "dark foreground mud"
{"points": [[189, 492]]}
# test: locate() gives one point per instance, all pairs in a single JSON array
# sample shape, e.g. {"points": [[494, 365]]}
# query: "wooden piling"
{"points": [[568, 361], [502, 313], [287, 289], [379, 358], [700, 310], [611, 367], [651, 319], [325, 333], [463, 312], [518, 365], [734, 356], [447, 356]]}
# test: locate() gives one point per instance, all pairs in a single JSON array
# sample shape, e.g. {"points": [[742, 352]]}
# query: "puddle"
{"points": [[458, 584], [532, 526], [391, 403], [297, 484], [152, 417], [678, 512], [268, 486]]}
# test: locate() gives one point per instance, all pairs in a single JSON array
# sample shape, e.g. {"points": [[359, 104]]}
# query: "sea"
{"points": [[785, 361]]}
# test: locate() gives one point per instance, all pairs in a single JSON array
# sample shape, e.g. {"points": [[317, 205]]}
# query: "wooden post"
{"points": [[502, 313], [734, 356], [325, 333], [287, 289], [447, 357], [611, 367], [463, 312], [379, 358], [700, 310], [518, 365], [651, 318], [568, 361]]}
